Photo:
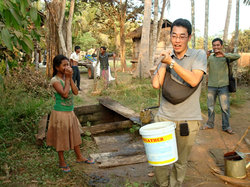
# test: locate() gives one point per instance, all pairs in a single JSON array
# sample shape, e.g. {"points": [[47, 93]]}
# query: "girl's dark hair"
{"points": [[184, 23], [57, 61]]}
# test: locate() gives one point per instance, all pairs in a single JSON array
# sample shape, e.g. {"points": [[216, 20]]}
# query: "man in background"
{"points": [[104, 64], [218, 82], [74, 59]]}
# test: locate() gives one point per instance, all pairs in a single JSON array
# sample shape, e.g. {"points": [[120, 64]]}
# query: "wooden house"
{"points": [[164, 41]]}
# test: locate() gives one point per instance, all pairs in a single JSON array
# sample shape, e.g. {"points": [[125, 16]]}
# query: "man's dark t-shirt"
{"points": [[104, 60]]}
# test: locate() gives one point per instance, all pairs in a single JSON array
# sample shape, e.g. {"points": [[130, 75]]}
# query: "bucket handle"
{"points": [[236, 146]]}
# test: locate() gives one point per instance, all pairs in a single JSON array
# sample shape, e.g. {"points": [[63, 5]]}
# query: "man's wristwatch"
{"points": [[172, 64]]}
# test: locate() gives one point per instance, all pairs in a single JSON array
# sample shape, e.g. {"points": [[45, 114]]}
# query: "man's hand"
{"points": [[114, 55], [209, 53], [167, 58], [219, 53]]}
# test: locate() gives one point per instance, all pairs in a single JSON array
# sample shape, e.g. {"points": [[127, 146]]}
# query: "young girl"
{"points": [[63, 131]]}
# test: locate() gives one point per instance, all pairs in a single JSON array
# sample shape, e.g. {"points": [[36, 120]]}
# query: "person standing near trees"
{"points": [[187, 66], [63, 130], [74, 59], [218, 84], [104, 64]]}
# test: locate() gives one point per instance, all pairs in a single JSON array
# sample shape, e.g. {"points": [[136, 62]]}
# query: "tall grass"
{"points": [[137, 94], [25, 97]]}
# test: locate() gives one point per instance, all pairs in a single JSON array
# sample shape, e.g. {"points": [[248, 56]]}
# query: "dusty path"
{"points": [[208, 143], [86, 86]]}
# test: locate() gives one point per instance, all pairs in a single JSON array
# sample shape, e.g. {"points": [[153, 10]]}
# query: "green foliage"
{"points": [[203, 99], [17, 25], [2, 67], [90, 18], [86, 41], [25, 98], [135, 93], [199, 41], [243, 46], [238, 98], [134, 128], [137, 184], [244, 41]]}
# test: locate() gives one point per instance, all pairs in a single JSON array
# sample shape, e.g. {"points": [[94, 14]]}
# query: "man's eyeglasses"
{"points": [[182, 38]]}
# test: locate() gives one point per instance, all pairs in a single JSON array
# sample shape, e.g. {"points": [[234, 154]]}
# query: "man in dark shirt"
{"points": [[218, 84], [104, 64]]}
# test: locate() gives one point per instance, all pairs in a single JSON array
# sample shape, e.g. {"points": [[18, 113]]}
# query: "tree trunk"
{"points": [[154, 38], [95, 72], [161, 18], [36, 55], [60, 28], [229, 7], [193, 23], [69, 26], [57, 32], [52, 39], [143, 60], [122, 35], [206, 25], [236, 38], [122, 45]]}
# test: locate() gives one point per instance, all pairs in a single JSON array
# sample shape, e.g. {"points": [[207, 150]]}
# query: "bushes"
{"points": [[25, 97]]}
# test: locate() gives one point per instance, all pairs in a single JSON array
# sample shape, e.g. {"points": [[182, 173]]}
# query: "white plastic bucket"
{"points": [[160, 143]]}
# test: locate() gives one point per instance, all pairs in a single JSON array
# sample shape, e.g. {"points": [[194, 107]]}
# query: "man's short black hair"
{"points": [[77, 47], [217, 39], [184, 23], [104, 48]]}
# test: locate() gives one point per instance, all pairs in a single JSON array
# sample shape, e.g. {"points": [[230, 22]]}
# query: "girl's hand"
{"points": [[68, 72]]}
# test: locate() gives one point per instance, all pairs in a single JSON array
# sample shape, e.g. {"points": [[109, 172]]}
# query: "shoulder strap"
{"points": [[229, 69]]}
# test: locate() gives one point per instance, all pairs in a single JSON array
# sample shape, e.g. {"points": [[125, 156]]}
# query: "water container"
{"points": [[160, 143]]}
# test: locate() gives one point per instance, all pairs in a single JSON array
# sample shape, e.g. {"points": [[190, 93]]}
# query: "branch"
{"points": [[108, 15], [135, 11], [117, 15]]}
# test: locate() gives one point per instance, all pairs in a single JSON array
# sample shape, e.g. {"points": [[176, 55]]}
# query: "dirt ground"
{"points": [[210, 145]]}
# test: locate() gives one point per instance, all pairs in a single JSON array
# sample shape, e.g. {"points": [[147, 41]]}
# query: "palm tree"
{"points": [[229, 7], [154, 42], [206, 25], [193, 23], [157, 25], [236, 39], [143, 60], [247, 2], [165, 3]]}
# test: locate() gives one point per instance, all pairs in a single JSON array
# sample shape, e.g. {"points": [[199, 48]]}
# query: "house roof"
{"points": [[137, 32]]}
